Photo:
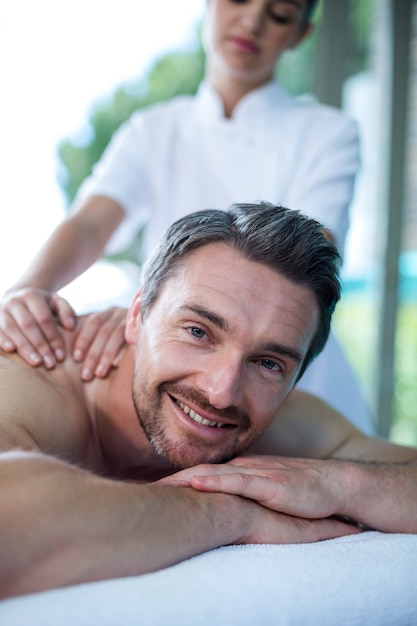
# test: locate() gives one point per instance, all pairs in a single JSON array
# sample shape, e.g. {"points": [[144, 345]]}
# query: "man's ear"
{"points": [[134, 319], [305, 32]]}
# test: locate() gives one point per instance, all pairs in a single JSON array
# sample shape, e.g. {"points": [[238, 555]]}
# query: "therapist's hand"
{"points": [[100, 342], [29, 325], [30, 321]]}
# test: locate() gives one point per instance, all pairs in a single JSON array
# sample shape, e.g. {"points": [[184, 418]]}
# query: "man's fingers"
{"points": [[301, 493], [258, 462], [258, 488], [279, 528], [309, 531]]}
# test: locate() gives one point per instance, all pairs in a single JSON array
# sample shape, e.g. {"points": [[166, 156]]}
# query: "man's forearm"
{"points": [[60, 525], [382, 496]]}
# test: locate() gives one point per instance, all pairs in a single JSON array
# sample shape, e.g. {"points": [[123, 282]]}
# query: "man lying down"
{"points": [[195, 440]]}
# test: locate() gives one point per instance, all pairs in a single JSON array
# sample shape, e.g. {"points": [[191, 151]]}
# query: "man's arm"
{"points": [[61, 525], [368, 480]]}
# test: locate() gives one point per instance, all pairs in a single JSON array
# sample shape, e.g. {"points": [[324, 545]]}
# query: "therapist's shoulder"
{"points": [[163, 113], [325, 120]]}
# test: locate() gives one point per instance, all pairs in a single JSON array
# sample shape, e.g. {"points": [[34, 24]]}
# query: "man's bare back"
{"points": [[55, 418]]}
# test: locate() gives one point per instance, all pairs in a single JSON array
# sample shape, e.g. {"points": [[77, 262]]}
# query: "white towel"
{"points": [[368, 579]]}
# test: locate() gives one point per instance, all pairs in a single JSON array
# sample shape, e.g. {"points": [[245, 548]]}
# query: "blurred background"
{"points": [[71, 73]]}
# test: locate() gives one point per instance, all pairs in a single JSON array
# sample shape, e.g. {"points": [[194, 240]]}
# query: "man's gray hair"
{"points": [[285, 240]]}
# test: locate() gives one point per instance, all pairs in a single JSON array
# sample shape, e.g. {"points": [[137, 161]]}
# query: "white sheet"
{"points": [[368, 579]]}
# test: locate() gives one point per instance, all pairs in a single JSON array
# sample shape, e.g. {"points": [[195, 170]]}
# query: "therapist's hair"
{"points": [[285, 240], [309, 10]]}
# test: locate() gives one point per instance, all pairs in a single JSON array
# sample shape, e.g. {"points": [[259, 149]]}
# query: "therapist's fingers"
{"points": [[28, 321], [51, 312], [100, 342], [23, 331], [63, 311], [6, 343]]}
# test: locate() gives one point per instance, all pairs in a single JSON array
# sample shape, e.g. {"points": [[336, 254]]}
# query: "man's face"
{"points": [[217, 354]]}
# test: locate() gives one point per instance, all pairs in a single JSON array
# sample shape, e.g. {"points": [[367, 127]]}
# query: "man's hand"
{"points": [[267, 526], [122, 528], [376, 495], [29, 325], [285, 515], [100, 342], [306, 488]]}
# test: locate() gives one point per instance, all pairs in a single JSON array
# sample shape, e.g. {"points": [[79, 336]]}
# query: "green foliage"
{"points": [[296, 68], [361, 24], [355, 324], [405, 395]]}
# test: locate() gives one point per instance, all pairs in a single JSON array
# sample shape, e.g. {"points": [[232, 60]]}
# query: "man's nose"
{"points": [[222, 383]]}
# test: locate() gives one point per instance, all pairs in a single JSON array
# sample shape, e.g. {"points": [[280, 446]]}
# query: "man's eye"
{"points": [[269, 365], [197, 332]]}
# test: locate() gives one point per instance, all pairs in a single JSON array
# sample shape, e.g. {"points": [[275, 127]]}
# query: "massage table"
{"points": [[368, 579]]}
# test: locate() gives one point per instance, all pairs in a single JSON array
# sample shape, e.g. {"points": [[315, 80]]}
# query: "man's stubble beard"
{"points": [[178, 454]]}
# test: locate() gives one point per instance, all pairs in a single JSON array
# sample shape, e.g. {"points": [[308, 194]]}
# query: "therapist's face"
{"points": [[217, 354], [245, 38]]}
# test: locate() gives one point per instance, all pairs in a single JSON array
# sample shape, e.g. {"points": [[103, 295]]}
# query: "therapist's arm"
{"points": [[31, 311]]}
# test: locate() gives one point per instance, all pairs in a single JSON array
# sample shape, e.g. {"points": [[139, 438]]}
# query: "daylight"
{"points": [[58, 58]]}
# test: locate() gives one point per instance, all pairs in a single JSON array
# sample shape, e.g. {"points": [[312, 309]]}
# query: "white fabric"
{"points": [[183, 155], [362, 580]]}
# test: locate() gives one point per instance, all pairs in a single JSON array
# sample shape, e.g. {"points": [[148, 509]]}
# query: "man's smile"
{"points": [[203, 420], [198, 418]]}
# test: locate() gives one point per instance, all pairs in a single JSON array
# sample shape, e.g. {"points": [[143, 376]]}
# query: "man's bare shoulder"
{"points": [[306, 427], [42, 410]]}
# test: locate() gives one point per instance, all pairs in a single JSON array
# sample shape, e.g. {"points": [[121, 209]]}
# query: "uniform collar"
{"points": [[254, 106]]}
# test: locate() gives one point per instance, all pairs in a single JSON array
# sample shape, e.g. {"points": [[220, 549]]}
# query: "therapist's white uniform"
{"points": [[183, 155]]}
